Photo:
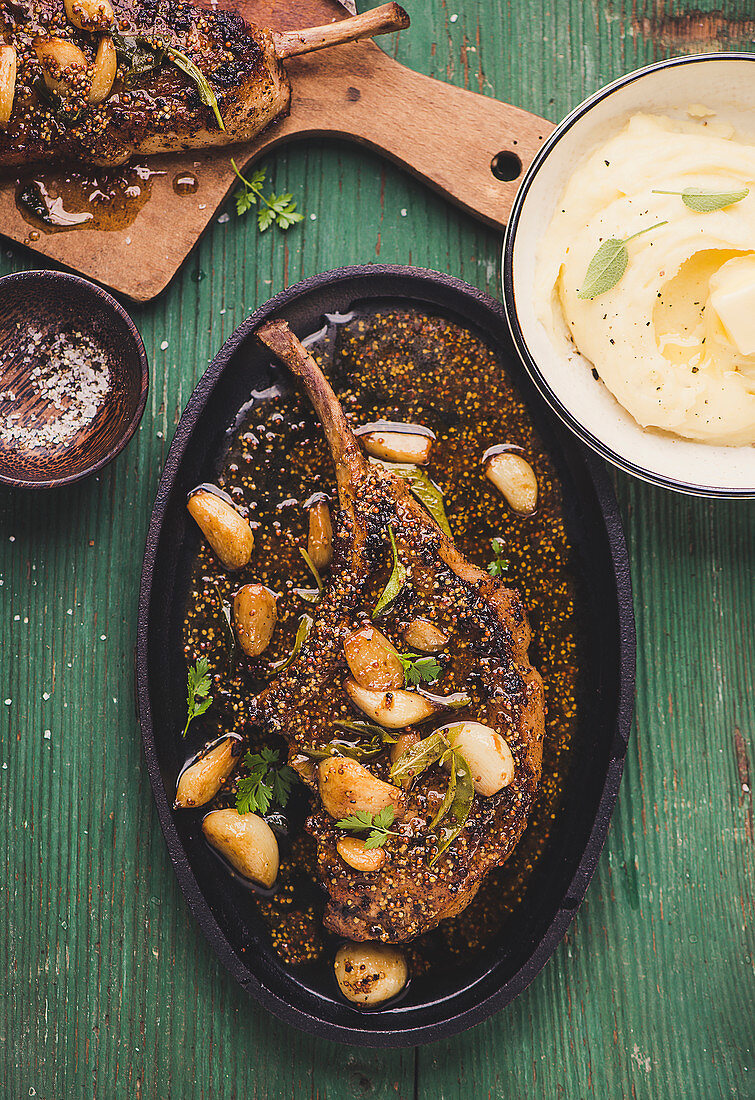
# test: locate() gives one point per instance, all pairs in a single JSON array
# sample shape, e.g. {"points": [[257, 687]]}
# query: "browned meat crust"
{"points": [[488, 653], [158, 112]]}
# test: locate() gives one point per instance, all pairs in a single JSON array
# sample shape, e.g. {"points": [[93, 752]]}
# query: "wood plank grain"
{"points": [[108, 990]]}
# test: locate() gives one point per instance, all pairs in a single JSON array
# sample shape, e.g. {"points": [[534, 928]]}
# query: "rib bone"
{"points": [[488, 652]]}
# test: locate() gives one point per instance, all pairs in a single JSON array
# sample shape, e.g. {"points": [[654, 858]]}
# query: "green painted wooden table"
{"points": [[108, 989]]}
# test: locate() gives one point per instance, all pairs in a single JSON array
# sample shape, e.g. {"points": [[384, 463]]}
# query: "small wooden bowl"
{"points": [[39, 306]]}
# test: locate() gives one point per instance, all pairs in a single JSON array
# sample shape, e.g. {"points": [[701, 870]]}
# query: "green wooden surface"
{"points": [[108, 989]]}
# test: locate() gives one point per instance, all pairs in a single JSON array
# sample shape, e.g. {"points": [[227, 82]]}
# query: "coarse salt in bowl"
{"points": [[73, 378]]}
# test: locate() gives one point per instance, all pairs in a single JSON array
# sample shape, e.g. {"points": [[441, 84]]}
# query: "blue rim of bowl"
{"points": [[113, 304], [509, 296]]}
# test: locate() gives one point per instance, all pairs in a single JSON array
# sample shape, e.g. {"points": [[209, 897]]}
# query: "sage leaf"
{"points": [[420, 756], [460, 806], [305, 625], [445, 805], [206, 94], [425, 490], [608, 265], [396, 581], [705, 202]]}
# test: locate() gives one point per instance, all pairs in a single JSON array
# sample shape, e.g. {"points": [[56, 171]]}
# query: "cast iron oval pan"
{"points": [[439, 1004]]}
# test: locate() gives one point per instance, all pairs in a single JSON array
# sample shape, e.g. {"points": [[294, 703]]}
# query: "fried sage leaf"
{"points": [[425, 490], [445, 805], [305, 625], [140, 56], [396, 581], [420, 756], [458, 812]]}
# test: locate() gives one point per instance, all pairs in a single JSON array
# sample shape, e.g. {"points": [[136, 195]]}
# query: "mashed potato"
{"points": [[674, 339]]}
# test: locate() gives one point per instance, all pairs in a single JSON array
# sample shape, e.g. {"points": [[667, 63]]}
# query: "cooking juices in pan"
{"points": [[402, 365]]}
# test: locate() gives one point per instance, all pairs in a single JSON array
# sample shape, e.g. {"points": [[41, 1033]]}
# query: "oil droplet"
{"points": [[185, 183], [197, 276], [34, 235]]}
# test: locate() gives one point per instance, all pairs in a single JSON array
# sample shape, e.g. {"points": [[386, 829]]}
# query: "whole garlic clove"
{"points": [[320, 537], [64, 66], [373, 661], [246, 841], [90, 15], [391, 709], [353, 852], [346, 786], [203, 778], [370, 973], [255, 614], [105, 69], [228, 533], [425, 637], [513, 476], [398, 446], [488, 755], [8, 73]]}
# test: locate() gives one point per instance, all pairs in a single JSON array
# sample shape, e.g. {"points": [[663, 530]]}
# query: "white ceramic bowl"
{"points": [[722, 82]]}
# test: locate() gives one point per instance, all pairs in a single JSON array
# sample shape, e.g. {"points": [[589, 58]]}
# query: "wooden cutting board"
{"points": [[445, 135]]}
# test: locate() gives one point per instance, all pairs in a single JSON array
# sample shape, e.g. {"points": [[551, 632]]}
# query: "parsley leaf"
{"points": [[267, 782], [198, 684], [419, 669], [378, 825], [499, 565], [277, 210]]}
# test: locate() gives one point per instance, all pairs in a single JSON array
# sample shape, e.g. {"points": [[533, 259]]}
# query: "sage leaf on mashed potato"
{"points": [[609, 264], [705, 202]]}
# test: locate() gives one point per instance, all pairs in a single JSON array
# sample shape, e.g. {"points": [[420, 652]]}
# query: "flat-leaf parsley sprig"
{"points": [[419, 669], [278, 209], [499, 565], [198, 684], [267, 782], [378, 825]]}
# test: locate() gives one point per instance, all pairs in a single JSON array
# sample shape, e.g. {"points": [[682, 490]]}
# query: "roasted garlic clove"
{"points": [[8, 70], [320, 539], [424, 637], [64, 66], [105, 68], [373, 661], [346, 786], [370, 973], [202, 779], [229, 535], [398, 446], [391, 709], [90, 15], [513, 476], [255, 614], [353, 852], [246, 841], [487, 753]]}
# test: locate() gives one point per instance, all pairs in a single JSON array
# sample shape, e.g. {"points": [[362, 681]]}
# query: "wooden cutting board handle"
{"points": [[453, 139]]}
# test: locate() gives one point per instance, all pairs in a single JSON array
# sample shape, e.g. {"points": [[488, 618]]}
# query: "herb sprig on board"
{"points": [[274, 209], [268, 781]]}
